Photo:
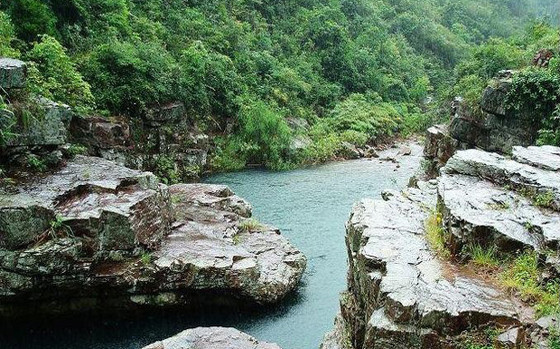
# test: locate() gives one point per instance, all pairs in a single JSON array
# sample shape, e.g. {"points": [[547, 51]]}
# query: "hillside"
{"points": [[349, 71]]}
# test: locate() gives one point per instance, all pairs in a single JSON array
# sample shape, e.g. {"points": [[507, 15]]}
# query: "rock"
{"points": [[478, 205], [493, 99], [297, 123], [511, 339], [170, 113], [49, 129], [300, 142], [544, 157], [370, 152], [95, 236], [13, 73], [101, 133], [211, 338], [439, 147], [400, 295], [119, 207], [405, 151], [532, 181], [349, 151], [495, 127]]}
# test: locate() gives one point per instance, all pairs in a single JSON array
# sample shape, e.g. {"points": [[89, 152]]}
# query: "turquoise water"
{"points": [[310, 206]]}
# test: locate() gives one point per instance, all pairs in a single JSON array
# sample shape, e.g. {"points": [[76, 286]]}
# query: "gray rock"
{"points": [[211, 338], [478, 211], [400, 295], [49, 129], [511, 339], [300, 142], [96, 235], [439, 146], [13, 73], [499, 170], [545, 157], [349, 151]]}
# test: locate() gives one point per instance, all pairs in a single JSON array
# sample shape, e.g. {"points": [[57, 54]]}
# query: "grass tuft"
{"points": [[251, 225], [435, 234]]}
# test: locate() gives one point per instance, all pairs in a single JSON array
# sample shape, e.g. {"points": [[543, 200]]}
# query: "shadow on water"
{"points": [[131, 330]]}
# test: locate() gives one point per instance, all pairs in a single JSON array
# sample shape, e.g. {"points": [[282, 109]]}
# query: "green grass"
{"points": [[146, 258], [522, 277], [435, 234], [545, 199], [251, 225], [483, 257]]}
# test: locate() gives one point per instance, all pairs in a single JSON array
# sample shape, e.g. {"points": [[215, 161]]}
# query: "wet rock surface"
{"points": [[400, 295], [495, 128], [211, 338], [13, 73], [97, 235], [490, 200]]}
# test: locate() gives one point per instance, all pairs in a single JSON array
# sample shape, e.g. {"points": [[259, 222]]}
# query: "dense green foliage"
{"points": [[355, 70], [535, 91]]}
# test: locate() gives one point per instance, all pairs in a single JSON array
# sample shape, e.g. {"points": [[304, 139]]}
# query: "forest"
{"points": [[355, 71]]}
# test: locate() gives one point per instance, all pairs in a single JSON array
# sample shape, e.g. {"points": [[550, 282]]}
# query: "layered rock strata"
{"points": [[95, 235]]}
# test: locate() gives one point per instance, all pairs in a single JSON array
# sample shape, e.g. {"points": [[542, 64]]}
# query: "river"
{"points": [[310, 206]]}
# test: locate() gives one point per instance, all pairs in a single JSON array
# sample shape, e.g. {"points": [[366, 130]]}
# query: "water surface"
{"points": [[310, 206]]}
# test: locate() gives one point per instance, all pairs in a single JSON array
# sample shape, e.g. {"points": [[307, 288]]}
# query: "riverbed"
{"points": [[310, 207]]}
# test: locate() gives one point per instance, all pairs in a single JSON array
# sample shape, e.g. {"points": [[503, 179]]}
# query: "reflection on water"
{"points": [[310, 206]]}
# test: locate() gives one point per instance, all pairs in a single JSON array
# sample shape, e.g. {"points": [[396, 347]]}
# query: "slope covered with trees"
{"points": [[354, 70]]}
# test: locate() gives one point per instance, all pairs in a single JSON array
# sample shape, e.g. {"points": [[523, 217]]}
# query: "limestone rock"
{"points": [[499, 170], [545, 157], [211, 338], [511, 339], [13, 73], [49, 129], [400, 295], [439, 146], [479, 205], [495, 127], [96, 235]]}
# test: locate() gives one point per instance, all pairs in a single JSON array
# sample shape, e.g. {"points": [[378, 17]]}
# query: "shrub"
{"points": [[53, 75], [364, 115]]}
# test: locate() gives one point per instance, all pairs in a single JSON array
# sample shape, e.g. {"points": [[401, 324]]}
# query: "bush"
{"points": [[363, 115], [130, 78], [54, 76]]}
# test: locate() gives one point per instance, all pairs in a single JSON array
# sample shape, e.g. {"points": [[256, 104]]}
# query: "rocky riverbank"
{"points": [[96, 235]]}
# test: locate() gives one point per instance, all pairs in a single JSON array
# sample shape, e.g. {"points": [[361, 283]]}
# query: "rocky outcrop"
{"points": [[13, 73], [163, 141], [95, 235], [438, 148], [491, 200], [400, 294], [495, 127], [211, 338]]}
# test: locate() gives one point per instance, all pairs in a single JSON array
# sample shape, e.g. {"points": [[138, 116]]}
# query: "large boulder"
{"points": [[96, 235], [211, 338], [46, 126], [13, 73]]}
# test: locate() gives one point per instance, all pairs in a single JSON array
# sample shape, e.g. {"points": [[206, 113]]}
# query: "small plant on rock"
{"points": [[483, 257], [250, 225], [435, 234]]}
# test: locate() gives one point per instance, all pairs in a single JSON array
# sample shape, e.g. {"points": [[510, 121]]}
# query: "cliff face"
{"points": [[495, 127], [403, 292]]}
